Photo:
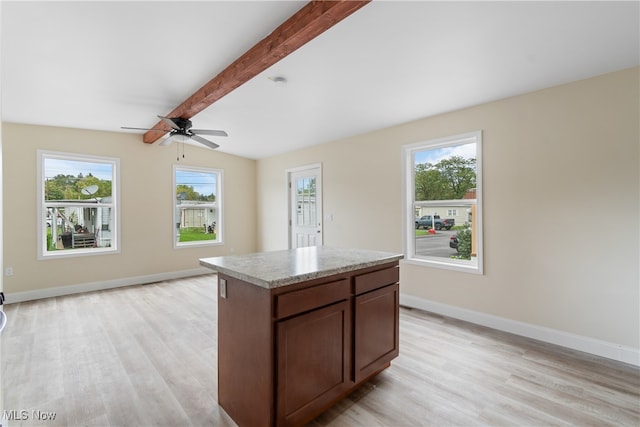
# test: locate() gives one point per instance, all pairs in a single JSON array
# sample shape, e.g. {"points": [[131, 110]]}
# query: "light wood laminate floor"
{"points": [[146, 356]]}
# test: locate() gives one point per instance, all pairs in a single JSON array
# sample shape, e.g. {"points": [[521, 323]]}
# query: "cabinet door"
{"points": [[376, 330], [313, 352]]}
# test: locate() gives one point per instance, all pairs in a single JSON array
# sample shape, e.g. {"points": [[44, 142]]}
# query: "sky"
{"points": [[434, 155], [202, 182], [54, 167]]}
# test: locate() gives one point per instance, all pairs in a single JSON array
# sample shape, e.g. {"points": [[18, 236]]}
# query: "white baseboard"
{"points": [[13, 297], [606, 349]]}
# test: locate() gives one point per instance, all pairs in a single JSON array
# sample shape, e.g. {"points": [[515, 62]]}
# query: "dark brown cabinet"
{"points": [[312, 361], [376, 336], [288, 353]]}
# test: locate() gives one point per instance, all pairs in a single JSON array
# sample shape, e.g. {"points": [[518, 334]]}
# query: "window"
{"points": [[198, 210], [78, 204], [443, 202]]}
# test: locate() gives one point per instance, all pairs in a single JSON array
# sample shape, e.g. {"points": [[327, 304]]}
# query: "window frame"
{"points": [[43, 205], [408, 162], [219, 207]]}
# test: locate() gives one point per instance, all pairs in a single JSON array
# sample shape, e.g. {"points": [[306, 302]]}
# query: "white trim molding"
{"points": [[410, 154], [15, 297], [217, 205], [593, 346]]}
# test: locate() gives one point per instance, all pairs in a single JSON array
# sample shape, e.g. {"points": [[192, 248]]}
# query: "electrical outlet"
{"points": [[8, 271]]}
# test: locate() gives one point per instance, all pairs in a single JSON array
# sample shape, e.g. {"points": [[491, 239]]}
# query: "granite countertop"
{"points": [[280, 268]]}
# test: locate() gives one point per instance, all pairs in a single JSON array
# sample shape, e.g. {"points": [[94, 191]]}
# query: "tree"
{"points": [[448, 179], [69, 187], [191, 194], [460, 175], [186, 192]]}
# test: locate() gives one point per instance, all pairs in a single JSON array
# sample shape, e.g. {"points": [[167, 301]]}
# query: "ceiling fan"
{"points": [[182, 132]]}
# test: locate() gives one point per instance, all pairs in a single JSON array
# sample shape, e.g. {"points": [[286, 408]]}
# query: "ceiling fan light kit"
{"points": [[178, 137], [174, 137]]}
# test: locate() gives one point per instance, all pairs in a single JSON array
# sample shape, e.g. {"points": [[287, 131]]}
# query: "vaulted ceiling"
{"points": [[103, 65]]}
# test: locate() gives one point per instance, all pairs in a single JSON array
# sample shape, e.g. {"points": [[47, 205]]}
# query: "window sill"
{"points": [[446, 264]]}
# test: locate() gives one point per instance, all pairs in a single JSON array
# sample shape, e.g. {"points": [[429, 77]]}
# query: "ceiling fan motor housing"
{"points": [[183, 124]]}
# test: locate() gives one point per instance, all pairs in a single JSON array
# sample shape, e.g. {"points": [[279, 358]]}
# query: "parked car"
{"points": [[426, 221], [453, 242]]}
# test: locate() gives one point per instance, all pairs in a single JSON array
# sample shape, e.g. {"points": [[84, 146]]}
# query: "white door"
{"points": [[305, 200]]}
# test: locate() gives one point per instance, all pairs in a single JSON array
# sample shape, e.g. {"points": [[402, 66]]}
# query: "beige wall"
{"points": [[146, 208], [547, 155]]}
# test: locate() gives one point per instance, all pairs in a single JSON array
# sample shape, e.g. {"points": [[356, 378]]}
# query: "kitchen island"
{"points": [[300, 329]]}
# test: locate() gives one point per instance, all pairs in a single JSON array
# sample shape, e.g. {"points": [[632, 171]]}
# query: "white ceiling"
{"points": [[102, 65]]}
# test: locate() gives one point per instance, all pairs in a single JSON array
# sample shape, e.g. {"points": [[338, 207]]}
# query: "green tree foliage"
{"points": [[191, 194], [69, 187], [449, 179], [464, 243]]}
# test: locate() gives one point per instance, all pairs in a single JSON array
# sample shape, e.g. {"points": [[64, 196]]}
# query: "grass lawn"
{"points": [[423, 232], [195, 234]]}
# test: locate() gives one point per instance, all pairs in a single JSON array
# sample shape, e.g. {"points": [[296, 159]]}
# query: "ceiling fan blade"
{"points": [[209, 132], [127, 127], [169, 122], [203, 141], [165, 141]]}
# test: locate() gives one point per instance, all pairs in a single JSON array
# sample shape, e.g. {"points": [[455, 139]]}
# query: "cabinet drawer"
{"points": [[376, 279], [307, 299]]}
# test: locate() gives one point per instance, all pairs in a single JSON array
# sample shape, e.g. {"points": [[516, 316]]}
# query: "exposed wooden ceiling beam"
{"points": [[309, 22]]}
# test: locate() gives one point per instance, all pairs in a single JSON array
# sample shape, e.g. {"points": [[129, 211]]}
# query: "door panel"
{"points": [[305, 199], [313, 357], [376, 330]]}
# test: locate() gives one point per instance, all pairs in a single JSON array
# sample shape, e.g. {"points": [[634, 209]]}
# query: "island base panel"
{"points": [[245, 353]]}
